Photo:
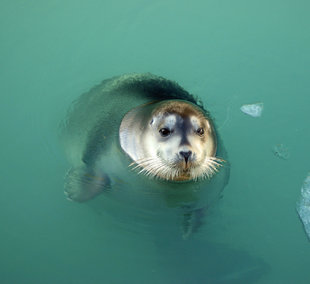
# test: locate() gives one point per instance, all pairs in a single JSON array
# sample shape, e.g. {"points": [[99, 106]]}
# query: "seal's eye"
{"points": [[164, 132], [200, 131]]}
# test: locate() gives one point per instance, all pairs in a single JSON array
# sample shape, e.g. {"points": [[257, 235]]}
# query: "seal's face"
{"points": [[180, 143]]}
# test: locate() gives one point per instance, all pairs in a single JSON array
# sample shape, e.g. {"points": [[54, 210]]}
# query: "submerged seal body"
{"points": [[151, 124]]}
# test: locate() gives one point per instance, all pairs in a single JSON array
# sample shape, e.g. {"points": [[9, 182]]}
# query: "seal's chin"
{"points": [[184, 175]]}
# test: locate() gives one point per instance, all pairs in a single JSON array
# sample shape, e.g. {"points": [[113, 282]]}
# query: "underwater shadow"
{"points": [[195, 261]]}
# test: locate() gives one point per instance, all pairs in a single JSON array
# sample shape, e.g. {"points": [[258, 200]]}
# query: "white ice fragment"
{"points": [[254, 110], [281, 151], [303, 205]]}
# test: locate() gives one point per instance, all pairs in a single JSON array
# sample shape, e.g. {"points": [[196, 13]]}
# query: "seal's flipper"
{"points": [[192, 221], [82, 184]]}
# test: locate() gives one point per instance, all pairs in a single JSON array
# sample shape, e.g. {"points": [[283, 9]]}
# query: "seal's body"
{"points": [[153, 125]]}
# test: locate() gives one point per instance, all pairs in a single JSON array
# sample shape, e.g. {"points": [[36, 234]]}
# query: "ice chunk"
{"points": [[303, 206], [254, 110], [281, 151]]}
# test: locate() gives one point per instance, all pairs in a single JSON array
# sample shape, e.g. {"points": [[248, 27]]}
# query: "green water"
{"points": [[229, 53]]}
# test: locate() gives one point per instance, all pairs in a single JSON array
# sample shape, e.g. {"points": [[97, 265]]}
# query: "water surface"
{"points": [[229, 53]]}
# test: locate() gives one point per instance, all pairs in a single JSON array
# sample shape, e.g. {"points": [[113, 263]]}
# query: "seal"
{"points": [[143, 133]]}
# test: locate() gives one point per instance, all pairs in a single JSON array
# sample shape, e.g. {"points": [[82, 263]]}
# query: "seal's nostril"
{"points": [[186, 155]]}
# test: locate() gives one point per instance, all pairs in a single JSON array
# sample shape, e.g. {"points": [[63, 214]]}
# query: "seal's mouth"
{"points": [[185, 161], [184, 166]]}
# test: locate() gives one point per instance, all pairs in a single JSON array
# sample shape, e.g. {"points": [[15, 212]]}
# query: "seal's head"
{"points": [[173, 140]]}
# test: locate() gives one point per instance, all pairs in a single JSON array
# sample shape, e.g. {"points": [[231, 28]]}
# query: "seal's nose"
{"points": [[186, 155]]}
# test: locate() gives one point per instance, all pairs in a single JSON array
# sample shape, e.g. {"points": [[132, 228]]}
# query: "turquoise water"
{"points": [[229, 53]]}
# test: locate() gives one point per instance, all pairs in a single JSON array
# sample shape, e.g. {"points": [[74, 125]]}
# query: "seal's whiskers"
{"points": [[156, 168], [211, 165]]}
